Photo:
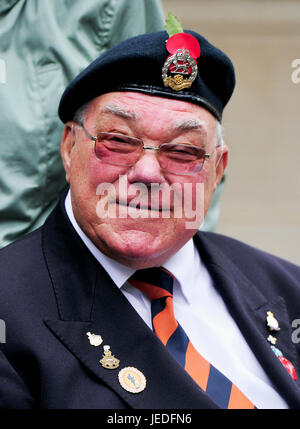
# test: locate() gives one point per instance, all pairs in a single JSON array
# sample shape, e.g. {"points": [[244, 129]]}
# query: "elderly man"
{"points": [[117, 301]]}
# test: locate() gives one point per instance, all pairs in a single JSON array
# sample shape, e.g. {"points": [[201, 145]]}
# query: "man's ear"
{"points": [[221, 163], [67, 143]]}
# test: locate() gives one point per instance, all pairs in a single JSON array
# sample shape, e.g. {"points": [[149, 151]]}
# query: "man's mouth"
{"points": [[140, 206]]}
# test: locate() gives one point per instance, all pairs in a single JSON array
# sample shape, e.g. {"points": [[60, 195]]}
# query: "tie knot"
{"points": [[155, 282]]}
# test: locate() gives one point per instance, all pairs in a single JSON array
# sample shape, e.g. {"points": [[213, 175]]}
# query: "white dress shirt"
{"points": [[201, 312]]}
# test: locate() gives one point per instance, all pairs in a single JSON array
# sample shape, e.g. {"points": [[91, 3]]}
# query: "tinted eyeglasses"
{"points": [[122, 150]]}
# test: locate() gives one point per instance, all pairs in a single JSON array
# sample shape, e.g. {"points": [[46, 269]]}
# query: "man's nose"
{"points": [[147, 169]]}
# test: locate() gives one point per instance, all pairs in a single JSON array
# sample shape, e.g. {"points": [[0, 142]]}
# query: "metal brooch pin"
{"points": [[272, 339], [95, 340], [109, 361], [272, 322]]}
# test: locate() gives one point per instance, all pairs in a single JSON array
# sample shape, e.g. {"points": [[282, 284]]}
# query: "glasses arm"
{"points": [[208, 155], [87, 133]]}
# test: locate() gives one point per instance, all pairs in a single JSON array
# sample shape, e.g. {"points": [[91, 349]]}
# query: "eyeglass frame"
{"points": [[157, 149]]}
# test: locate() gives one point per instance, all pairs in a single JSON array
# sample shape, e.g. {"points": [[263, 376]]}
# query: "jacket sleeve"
{"points": [[13, 392], [133, 17]]}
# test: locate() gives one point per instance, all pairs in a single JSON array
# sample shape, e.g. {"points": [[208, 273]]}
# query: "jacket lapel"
{"points": [[248, 306], [88, 301], [134, 344]]}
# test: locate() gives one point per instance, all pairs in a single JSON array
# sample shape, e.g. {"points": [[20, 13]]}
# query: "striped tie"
{"points": [[157, 284]]}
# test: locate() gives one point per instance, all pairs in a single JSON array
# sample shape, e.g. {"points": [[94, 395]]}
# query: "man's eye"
{"points": [[106, 137], [116, 139], [182, 151], [118, 143]]}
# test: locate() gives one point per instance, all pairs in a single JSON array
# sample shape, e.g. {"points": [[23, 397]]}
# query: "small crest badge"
{"points": [[109, 361], [272, 322], [132, 380], [95, 340], [272, 339]]}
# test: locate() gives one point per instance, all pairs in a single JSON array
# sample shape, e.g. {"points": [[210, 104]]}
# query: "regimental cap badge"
{"points": [[180, 68]]}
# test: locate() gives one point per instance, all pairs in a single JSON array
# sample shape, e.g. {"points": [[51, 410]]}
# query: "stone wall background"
{"points": [[261, 199]]}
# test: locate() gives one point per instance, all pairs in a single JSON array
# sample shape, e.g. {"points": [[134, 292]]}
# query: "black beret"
{"points": [[136, 65]]}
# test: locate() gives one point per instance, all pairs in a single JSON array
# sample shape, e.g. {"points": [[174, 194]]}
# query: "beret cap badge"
{"points": [[180, 68]]}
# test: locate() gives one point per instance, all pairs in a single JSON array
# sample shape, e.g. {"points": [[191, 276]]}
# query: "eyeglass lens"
{"points": [[125, 151]]}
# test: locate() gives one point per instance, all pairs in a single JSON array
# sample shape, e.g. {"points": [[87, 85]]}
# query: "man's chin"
{"points": [[135, 248]]}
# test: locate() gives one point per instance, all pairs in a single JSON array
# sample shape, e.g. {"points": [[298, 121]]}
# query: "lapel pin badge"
{"points": [[95, 340], [132, 380], [109, 361], [289, 367], [276, 351], [272, 339], [272, 322]]}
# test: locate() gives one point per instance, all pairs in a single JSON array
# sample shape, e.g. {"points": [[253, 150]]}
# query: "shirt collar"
{"points": [[119, 273], [181, 264]]}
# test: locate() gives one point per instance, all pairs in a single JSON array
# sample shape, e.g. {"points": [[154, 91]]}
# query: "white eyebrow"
{"points": [[120, 111], [190, 124]]}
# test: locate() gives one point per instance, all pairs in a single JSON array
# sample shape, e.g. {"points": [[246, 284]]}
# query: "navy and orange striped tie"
{"points": [[157, 284]]}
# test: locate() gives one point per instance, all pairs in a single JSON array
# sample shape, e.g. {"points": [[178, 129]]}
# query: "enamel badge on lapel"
{"points": [[289, 367], [109, 361], [95, 340], [276, 351], [132, 380], [285, 362], [272, 322], [180, 68], [273, 325]]}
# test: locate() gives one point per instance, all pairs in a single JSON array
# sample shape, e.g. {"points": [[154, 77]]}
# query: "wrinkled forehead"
{"points": [[156, 111]]}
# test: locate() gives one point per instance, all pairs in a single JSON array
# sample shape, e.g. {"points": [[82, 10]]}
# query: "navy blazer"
{"points": [[53, 292]]}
